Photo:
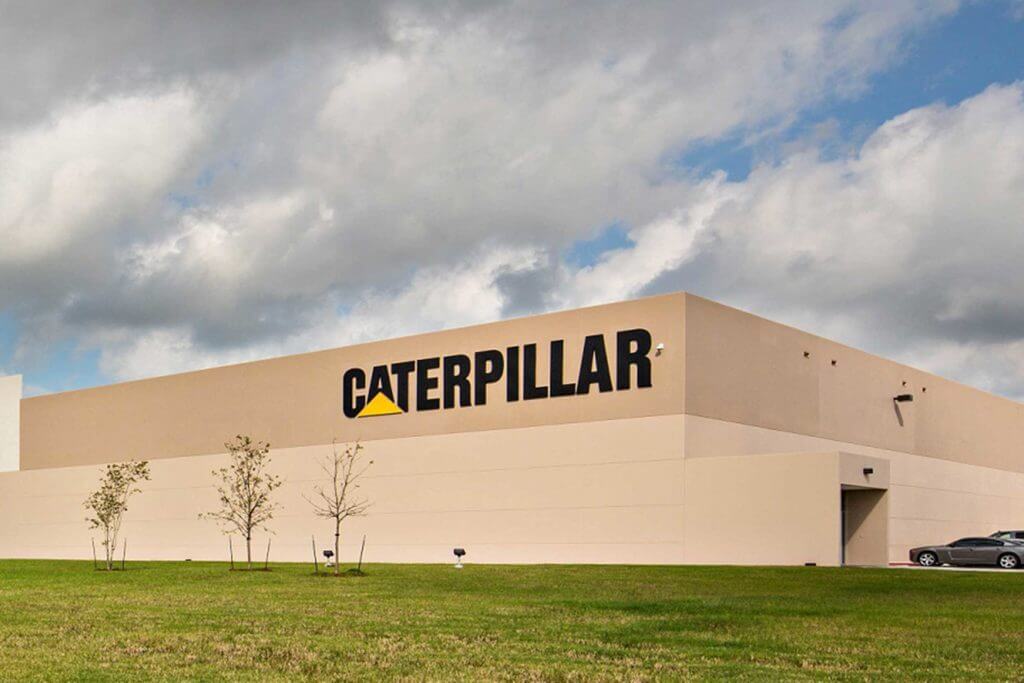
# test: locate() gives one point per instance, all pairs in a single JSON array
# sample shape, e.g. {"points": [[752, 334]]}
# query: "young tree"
{"points": [[245, 489], [338, 502], [109, 502]]}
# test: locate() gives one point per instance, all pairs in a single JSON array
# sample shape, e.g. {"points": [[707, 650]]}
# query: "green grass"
{"points": [[170, 621]]}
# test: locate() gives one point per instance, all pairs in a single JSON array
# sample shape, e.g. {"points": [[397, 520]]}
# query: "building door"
{"points": [[863, 526]]}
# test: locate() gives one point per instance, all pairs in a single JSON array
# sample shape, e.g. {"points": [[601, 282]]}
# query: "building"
{"points": [[665, 430]]}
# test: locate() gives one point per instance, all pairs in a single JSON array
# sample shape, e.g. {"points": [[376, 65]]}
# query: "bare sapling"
{"points": [[339, 499], [245, 490], [108, 503]]}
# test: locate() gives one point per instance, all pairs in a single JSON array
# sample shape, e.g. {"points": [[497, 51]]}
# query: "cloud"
{"points": [[435, 298], [657, 248], [911, 247], [208, 191], [59, 53], [89, 167], [889, 249]]}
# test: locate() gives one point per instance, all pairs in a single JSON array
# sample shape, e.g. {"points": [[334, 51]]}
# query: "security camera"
{"points": [[658, 349]]}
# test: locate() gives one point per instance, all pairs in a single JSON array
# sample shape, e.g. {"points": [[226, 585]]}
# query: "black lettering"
{"points": [[353, 380], [425, 384], [488, 367], [530, 389], [402, 371], [456, 376], [631, 349], [559, 387], [512, 374], [594, 368], [380, 383]]}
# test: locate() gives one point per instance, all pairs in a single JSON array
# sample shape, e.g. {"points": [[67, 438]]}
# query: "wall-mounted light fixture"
{"points": [[896, 401], [658, 349], [869, 471]]}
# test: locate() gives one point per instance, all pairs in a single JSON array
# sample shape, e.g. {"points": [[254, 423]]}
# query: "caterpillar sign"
{"points": [[461, 380]]}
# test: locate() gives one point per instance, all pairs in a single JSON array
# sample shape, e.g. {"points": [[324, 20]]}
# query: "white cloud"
{"points": [[657, 248], [431, 177], [89, 167], [435, 298], [910, 248]]}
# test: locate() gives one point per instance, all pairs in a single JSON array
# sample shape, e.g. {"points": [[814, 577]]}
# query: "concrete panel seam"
{"points": [[854, 443]]}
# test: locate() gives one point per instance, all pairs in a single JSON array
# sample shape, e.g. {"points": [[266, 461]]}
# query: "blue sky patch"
{"points": [[946, 62], [588, 252]]}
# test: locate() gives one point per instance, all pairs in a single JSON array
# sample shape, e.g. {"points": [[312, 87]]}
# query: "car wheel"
{"points": [[1009, 561], [930, 559]]}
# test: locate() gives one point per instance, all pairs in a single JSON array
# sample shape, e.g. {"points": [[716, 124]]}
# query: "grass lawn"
{"points": [[171, 621]]}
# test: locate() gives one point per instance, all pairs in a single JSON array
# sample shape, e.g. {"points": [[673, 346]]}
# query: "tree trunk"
{"points": [[248, 552], [337, 548]]}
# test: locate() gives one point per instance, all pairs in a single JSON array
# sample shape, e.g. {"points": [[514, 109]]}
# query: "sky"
{"points": [[188, 184]]}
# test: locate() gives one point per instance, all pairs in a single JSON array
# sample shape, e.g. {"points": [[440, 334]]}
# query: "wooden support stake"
{"points": [[231, 553], [361, 549], [316, 565], [266, 562], [93, 553], [124, 552]]}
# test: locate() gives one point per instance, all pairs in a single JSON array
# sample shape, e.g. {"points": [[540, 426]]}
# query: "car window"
{"points": [[975, 542]]}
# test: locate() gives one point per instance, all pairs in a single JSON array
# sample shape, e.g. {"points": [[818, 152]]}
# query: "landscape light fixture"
{"points": [[903, 398], [329, 554], [459, 553]]}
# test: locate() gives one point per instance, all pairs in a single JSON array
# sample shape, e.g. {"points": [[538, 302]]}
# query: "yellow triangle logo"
{"points": [[380, 405]]}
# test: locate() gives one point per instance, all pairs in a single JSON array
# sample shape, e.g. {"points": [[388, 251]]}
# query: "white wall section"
{"points": [[10, 423]]}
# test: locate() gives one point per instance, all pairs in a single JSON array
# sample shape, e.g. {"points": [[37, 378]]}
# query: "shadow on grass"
{"points": [[348, 573], [246, 570]]}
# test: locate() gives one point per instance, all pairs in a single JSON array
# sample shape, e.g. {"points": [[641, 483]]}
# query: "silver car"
{"points": [[974, 551]]}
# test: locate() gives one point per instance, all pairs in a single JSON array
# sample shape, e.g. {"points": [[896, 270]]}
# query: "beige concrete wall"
{"points": [[608, 491], [596, 478], [296, 400], [854, 471], [748, 370], [770, 509], [930, 500], [10, 416], [866, 527]]}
